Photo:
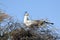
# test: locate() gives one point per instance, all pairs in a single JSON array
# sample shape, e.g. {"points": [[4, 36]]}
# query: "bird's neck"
{"points": [[26, 19]]}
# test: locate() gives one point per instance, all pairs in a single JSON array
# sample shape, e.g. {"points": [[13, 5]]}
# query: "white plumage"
{"points": [[27, 22]]}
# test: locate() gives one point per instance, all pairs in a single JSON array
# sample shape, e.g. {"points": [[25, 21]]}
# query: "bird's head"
{"points": [[26, 14]]}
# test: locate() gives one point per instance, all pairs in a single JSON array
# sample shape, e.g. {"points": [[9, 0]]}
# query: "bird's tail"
{"points": [[48, 23]]}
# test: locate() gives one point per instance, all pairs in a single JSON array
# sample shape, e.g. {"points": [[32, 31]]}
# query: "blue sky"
{"points": [[36, 8]]}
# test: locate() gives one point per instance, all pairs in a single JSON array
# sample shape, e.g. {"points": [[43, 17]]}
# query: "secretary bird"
{"points": [[31, 23]]}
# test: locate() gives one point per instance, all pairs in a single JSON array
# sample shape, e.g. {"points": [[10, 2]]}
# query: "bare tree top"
{"points": [[3, 16]]}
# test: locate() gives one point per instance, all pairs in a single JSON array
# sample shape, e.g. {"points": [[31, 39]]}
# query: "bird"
{"points": [[37, 23]]}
